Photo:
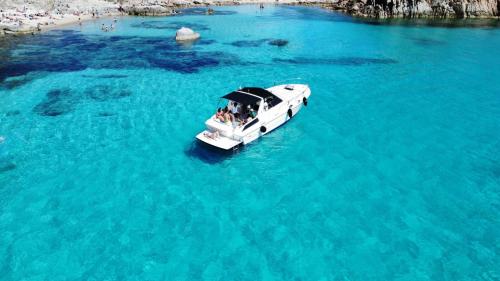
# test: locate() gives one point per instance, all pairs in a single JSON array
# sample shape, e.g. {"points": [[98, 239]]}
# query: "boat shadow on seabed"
{"points": [[210, 154]]}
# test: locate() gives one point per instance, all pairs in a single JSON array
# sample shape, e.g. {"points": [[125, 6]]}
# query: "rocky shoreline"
{"points": [[436, 9], [31, 16]]}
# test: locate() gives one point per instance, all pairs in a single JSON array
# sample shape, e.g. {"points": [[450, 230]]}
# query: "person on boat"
{"points": [[233, 107], [212, 135], [248, 120], [239, 120], [266, 104], [228, 119], [236, 108], [251, 112], [219, 115]]}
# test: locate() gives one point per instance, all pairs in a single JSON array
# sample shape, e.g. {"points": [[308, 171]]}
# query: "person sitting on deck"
{"points": [[219, 115], [266, 104], [233, 107], [212, 135], [251, 112], [228, 118], [236, 108], [239, 120]]}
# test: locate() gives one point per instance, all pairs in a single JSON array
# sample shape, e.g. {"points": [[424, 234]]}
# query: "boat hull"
{"points": [[265, 125], [221, 142]]}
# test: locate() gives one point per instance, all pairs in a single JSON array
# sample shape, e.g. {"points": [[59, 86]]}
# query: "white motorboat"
{"points": [[253, 112]]}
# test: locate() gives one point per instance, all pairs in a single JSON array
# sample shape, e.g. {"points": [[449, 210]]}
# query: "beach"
{"points": [[19, 17], [22, 18]]}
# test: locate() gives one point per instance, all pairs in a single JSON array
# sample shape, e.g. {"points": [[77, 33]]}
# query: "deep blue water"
{"points": [[391, 173]]}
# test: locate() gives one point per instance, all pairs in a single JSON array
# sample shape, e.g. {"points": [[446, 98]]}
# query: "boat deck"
{"points": [[219, 142]]}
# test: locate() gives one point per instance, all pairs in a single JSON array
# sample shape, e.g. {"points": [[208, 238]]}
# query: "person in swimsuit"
{"points": [[212, 135], [219, 115], [252, 113], [228, 119]]}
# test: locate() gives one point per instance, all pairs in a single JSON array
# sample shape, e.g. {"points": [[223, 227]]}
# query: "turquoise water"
{"points": [[391, 173]]}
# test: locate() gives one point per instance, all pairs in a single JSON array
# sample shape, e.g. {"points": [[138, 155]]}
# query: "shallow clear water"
{"points": [[391, 173]]}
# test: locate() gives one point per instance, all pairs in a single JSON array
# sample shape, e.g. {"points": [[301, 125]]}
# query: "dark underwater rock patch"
{"points": [[192, 61], [61, 101], [278, 42], [258, 43], [65, 51], [426, 42], [5, 167], [204, 42], [92, 47], [345, 61], [42, 63], [56, 102], [35, 53], [105, 114], [15, 82], [106, 92], [12, 113], [190, 44], [248, 43], [172, 25], [73, 39], [106, 76]]}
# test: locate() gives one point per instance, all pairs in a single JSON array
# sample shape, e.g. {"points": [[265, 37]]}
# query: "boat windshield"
{"points": [[236, 113], [269, 98]]}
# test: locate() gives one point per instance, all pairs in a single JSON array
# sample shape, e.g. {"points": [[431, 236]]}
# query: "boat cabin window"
{"points": [[253, 122]]}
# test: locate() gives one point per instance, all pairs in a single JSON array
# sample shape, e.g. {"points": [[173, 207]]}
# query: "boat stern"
{"points": [[217, 141]]}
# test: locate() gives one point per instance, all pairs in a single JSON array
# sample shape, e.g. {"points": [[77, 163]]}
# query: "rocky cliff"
{"points": [[418, 8]]}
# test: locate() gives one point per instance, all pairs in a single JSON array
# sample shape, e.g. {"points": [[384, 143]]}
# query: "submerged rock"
{"points": [[5, 167], [278, 42], [186, 34]]}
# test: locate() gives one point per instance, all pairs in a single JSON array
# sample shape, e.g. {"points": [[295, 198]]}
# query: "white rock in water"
{"points": [[185, 34]]}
